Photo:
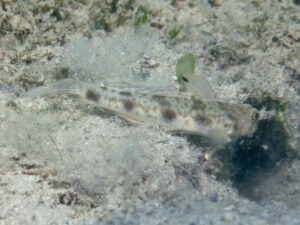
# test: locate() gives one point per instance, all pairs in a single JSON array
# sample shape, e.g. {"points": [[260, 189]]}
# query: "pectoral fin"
{"points": [[219, 137]]}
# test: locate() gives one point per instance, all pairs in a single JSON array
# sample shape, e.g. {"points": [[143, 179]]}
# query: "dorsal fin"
{"points": [[198, 86], [141, 88]]}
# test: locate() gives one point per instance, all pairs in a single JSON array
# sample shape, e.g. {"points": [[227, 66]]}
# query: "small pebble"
{"points": [[228, 217], [213, 197]]}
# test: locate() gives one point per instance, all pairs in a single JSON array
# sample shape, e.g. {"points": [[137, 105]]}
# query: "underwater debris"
{"points": [[259, 25], [226, 56], [214, 3], [61, 73], [265, 100], [27, 82], [12, 104], [108, 15], [68, 198], [41, 172]]}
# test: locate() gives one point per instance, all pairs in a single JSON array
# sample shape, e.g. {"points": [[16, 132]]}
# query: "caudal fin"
{"points": [[64, 86]]}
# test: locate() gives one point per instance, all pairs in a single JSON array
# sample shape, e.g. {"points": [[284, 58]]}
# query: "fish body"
{"points": [[219, 121]]}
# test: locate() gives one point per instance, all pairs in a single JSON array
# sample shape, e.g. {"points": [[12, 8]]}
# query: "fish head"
{"points": [[241, 120]]}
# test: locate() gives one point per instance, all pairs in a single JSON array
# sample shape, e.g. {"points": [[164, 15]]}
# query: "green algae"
{"points": [[140, 16], [12, 104], [185, 65], [265, 100], [108, 15], [28, 82], [259, 25], [172, 33]]}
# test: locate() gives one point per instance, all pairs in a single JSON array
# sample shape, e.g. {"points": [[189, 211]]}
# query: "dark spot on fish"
{"points": [[202, 120], [198, 104], [235, 127], [112, 100], [145, 108], [93, 96], [128, 105], [161, 100], [229, 108], [227, 125], [125, 93], [177, 100], [168, 114]]}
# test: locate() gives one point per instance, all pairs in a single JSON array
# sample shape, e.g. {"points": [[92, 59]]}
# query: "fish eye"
{"points": [[185, 79], [255, 116]]}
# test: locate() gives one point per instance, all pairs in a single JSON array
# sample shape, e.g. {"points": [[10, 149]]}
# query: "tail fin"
{"points": [[64, 86]]}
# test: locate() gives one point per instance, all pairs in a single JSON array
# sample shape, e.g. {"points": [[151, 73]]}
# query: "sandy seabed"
{"points": [[63, 161]]}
